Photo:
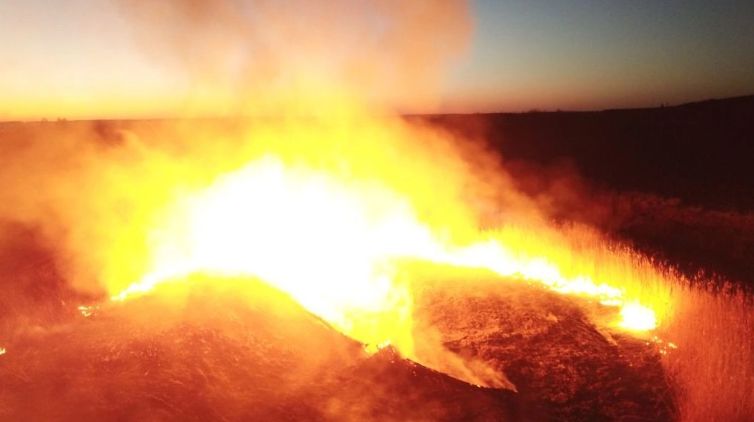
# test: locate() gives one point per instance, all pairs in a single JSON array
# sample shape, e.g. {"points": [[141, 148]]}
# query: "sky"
{"points": [[80, 59], [594, 54]]}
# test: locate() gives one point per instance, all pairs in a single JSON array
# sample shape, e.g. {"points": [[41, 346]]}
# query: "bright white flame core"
{"points": [[333, 246]]}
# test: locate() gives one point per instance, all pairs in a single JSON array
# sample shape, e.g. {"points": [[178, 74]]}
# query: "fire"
{"points": [[637, 317], [326, 245], [329, 219], [329, 199]]}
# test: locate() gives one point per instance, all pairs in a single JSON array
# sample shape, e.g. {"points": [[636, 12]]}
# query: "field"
{"points": [[670, 189]]}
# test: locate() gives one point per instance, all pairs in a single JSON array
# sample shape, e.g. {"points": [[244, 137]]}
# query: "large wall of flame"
{"points": [[321, 81]]}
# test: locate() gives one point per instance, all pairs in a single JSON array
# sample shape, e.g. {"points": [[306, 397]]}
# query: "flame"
{"points": [[637, 317], [328, 200], [330, 221], [328, 246]]}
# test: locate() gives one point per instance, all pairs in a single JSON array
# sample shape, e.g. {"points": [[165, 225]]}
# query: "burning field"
{"points": [[324, 258]]}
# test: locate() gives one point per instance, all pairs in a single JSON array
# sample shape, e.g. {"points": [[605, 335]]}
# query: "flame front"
{"points": [[327, 245], [329, 219]]}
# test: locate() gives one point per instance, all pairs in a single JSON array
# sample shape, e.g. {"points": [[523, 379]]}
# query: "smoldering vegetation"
{"points": [[222, 356], [675, 183], [216, 349], [705, 242]]}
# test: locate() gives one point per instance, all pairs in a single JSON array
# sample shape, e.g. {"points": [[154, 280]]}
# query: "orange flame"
{"points": [[329, 219]]}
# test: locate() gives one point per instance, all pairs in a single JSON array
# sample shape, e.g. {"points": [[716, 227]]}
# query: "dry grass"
{"points": [[713, 367]]}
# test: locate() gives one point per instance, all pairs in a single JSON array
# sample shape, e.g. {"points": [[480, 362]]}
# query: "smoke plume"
{"points": [[277, 57]]}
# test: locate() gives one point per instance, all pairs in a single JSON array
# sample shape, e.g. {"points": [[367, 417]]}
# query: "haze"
{"points": [[81, 59]]}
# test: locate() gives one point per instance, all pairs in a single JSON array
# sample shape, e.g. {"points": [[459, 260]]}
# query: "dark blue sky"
{"points": [[596, 54]]}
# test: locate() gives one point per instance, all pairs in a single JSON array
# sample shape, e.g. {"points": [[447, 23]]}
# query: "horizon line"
{"points": [[534, 110]]}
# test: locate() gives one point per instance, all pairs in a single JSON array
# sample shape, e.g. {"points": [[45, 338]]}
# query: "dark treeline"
{"points": [[676, 182], [701, 153]]}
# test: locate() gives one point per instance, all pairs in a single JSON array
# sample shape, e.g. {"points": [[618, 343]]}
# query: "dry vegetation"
{"points": [[710, 319], [713, 367]]}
